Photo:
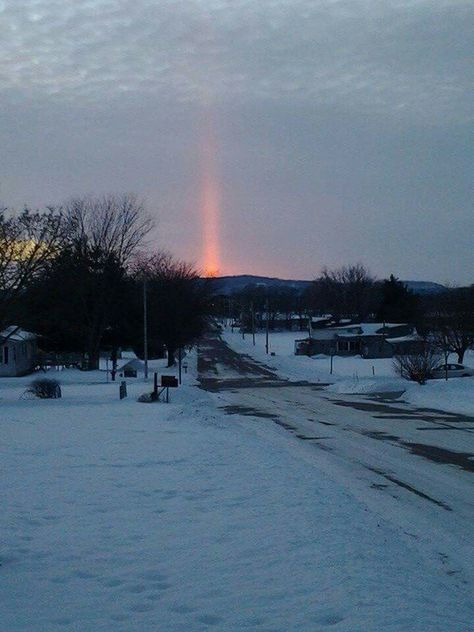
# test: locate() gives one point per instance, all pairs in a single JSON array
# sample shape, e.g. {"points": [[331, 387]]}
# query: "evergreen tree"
{"points": [[398, 304]]}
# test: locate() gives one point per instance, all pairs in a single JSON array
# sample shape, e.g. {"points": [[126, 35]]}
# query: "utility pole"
{"points": [[446, 356], [253, 323], [145, 328], [180, 355], [267, 308]]}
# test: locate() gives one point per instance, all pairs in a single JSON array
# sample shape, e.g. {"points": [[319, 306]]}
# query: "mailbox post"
{"points": [[123, 390], [332, 353], [168, 381]]}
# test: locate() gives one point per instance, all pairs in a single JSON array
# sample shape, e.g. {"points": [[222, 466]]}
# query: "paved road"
{"points": [[412, 466]]}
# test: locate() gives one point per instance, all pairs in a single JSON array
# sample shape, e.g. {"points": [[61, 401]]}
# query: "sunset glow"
{"points": [[209, 205]]}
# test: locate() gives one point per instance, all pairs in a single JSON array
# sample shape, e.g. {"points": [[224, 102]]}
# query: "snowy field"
{"points": [[126, 517], [354, 374]]}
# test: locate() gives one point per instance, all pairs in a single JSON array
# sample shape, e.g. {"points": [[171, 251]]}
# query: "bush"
{"points": [[45, 389], [416, 367]]}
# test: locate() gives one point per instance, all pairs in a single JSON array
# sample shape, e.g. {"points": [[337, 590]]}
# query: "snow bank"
{"points": [[368, 385], [456, 395]]}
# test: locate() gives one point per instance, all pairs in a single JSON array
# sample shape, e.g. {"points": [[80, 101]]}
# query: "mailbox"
{"points": [[169, 381]]}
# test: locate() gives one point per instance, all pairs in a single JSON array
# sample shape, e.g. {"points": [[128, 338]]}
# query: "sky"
{"points": [[269, 137]]}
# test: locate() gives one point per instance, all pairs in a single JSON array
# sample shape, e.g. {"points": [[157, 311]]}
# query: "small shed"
{"points": [[131, 368], [125, 367], [18, 351]]}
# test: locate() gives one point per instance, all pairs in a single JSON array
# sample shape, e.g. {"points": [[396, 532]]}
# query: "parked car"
{"points": [[453, 370]]}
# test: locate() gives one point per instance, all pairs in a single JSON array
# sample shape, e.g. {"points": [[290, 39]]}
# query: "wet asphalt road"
{"points": [[406, 461]]}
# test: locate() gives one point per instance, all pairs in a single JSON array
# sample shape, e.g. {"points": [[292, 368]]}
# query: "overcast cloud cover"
{"points": [[343, 127]]}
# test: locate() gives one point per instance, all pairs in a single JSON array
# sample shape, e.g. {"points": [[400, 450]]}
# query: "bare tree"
{"points": [[105, 233], [179, 301], [452, 321], [416, 367], [84, 286], [28, 242], [344, 292], [114, 224]]}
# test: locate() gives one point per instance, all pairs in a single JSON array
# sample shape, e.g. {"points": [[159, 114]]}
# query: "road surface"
{"points": [[414, 467]]}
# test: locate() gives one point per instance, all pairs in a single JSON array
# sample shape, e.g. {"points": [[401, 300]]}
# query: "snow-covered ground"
{"points": [[354, 374], [119, 516]]}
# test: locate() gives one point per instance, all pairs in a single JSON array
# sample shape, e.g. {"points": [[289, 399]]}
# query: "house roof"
{"points": [[379, 328], [122, 363], [360, 330], [321, 319], [370, 330], [133, 363], [410, 338], [16, 334], [356, 335]]}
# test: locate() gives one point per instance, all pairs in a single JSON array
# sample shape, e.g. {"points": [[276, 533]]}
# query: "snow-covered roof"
{"points": [[321, 319], [131, 363], [348, 329], [295, 316], [330, 333], [128, 353], [15, 333], [361, 330], [374, 328], [282, 316], [410, 338], [366, 330]]}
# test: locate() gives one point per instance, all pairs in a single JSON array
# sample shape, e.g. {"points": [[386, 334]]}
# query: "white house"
{"points": [[18, 351]]}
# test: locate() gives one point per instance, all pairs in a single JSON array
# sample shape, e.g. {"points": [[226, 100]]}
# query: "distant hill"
{"points": [[230, 284], [424, 287]]}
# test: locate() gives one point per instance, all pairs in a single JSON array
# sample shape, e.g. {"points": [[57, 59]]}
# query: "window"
{"points": [[5, 354], [348, 345]]}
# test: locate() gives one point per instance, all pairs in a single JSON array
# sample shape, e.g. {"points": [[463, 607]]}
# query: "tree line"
{"points": [[352, 294], [75, 275]]}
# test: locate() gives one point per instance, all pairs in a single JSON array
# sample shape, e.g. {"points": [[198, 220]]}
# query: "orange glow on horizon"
{"points": [[209, 205]]}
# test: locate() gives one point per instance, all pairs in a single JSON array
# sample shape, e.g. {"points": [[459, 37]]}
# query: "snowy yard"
{"points": [[354, 374], [120, 516]]}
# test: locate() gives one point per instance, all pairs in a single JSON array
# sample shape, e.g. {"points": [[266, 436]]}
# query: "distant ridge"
{"points": [[425, 287], [230, 284]]}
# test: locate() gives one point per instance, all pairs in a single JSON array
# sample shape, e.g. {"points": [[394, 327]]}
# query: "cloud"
{"points": [[342, 126], [408, 58]]}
